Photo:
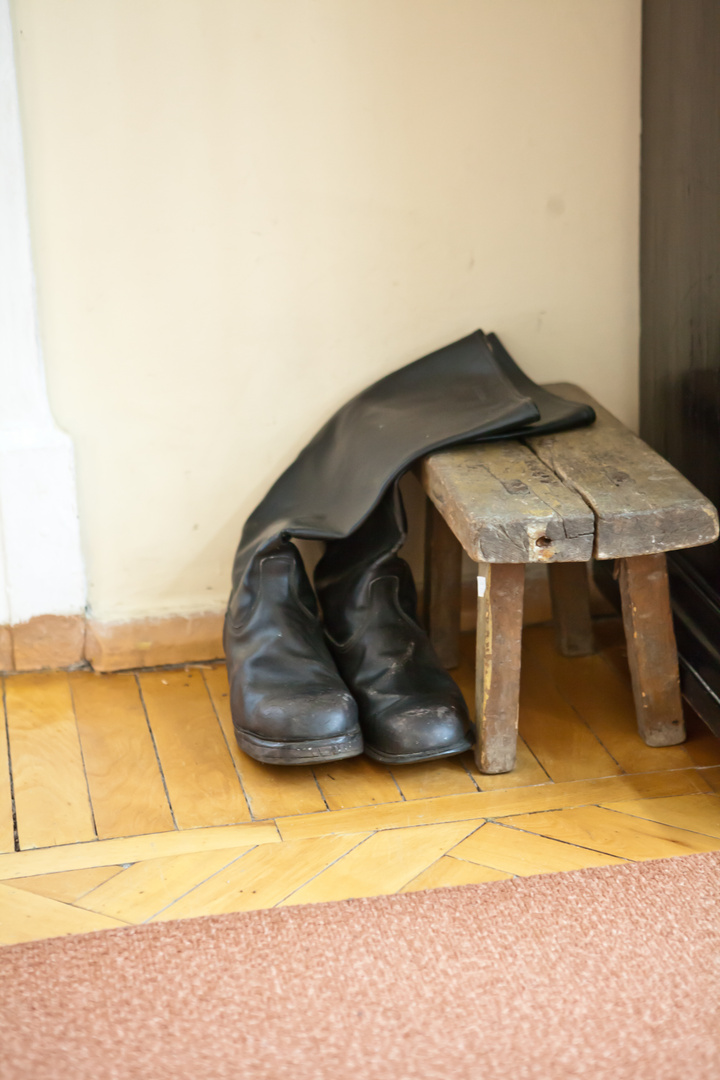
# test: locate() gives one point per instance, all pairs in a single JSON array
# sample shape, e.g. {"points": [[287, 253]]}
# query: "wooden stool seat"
{"points": [[559, 499]]}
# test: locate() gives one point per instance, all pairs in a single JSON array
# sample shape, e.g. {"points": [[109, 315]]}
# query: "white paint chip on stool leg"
{"points": [[482, 585]]}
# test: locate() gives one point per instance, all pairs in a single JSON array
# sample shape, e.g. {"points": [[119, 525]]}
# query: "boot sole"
{"points": [[423, 755], [307, 752]]}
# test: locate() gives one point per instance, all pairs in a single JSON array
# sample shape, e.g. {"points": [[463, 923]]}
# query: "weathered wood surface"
{"points": [[570, 595], [497, 671], [443, 570], [642, 504], [652, 653], [505, 506]]}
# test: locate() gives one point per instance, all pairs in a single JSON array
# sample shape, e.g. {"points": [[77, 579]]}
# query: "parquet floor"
{"points": [[127, 799]]}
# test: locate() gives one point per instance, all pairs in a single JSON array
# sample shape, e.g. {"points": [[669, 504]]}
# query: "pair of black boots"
{"points": [[362, 678]]}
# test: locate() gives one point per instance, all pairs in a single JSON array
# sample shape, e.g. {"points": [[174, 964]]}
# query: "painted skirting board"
{"points": [[62, 641], [57, 642], [179, 639], [46, 641], [49, 642]]}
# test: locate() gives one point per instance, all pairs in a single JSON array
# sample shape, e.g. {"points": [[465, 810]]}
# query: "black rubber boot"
{"points": [[410, 708], [288, 702]]}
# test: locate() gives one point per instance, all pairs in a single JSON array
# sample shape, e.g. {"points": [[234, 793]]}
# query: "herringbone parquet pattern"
{"points": [[125, 799]]}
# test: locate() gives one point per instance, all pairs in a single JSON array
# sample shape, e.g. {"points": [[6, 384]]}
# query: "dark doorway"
{"points": [[680, 300]]}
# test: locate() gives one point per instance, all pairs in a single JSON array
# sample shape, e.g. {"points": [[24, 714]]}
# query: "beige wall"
{"points": [[243, 211]]}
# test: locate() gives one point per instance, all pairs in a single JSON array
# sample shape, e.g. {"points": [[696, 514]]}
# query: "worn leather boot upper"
{"points": [[410, 708], [288, 702], [287, 698]]}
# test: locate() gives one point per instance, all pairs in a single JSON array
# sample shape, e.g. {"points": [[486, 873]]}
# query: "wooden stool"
{"points": [[559, 499]]}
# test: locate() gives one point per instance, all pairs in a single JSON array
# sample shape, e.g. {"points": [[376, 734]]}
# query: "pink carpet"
{"points": [[602, 973]]}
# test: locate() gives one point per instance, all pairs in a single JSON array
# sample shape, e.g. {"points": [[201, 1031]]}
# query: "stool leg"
{"points": [[497, 673], [443, 567], [570, 595], [651, 647]]}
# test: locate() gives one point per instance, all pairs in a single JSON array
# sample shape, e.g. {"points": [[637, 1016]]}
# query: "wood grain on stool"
{"points": [[499, 633], [505, 506], [642, 504], [651, 648]]}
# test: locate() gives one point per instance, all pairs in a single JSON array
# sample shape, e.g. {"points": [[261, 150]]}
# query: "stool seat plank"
{"points": [[505, 506], [642, 504]]}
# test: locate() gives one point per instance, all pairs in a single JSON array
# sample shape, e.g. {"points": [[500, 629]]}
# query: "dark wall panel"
{"points": [[680, 295]]}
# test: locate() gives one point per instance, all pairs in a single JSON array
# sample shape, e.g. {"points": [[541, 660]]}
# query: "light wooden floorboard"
{"points": [[586, 792], [356, 782], [449, 776], [561, 742], [698, 813], [604, 700], [7, 828], [448, 871], [263, 877], [147, 887], [702, 746], [527, 772], [383, 863], [528, 769], [271, 790], [126, 787], [202, 783], [485, 804], [615, 833], [131, 849], [68, 886], [25, 916], [508, 849], [51, 793], [712, 777]]}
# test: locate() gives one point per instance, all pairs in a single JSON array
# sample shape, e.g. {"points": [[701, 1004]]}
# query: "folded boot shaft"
{"points": [[301, 692]]}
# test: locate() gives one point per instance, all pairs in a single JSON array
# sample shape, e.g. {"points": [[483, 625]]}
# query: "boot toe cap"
{"points": [[304, 717], [418, 731]]}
